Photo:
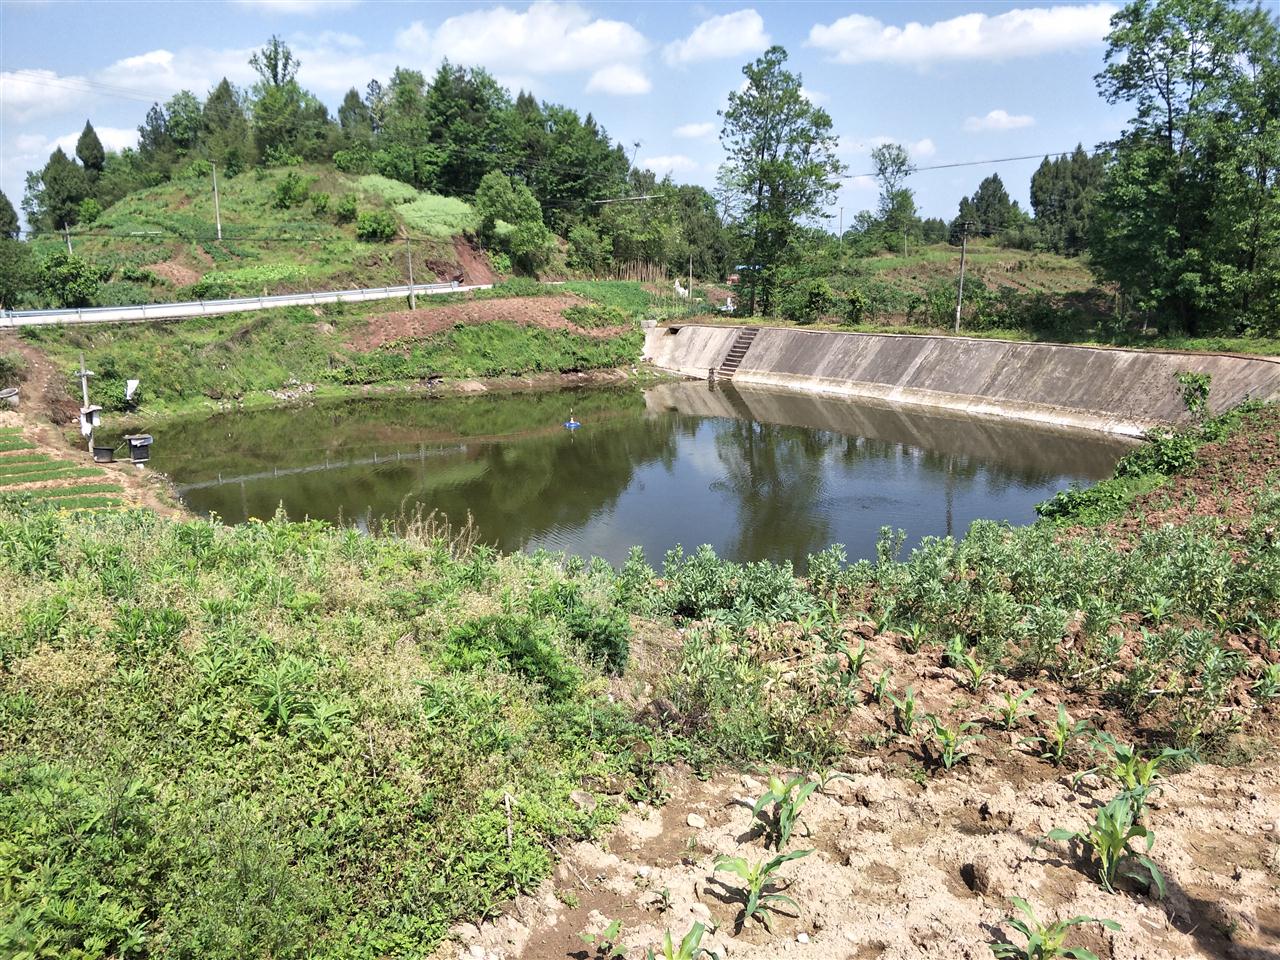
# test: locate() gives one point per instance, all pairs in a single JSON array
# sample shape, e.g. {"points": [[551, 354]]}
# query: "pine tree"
{"points": [[89, 150], [62, 186]]}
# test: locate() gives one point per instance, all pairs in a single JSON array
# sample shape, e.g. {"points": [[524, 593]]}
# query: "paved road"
{"points": [[206, 308]]}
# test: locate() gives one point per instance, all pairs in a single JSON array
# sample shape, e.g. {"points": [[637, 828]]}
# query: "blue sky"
{"points": [[955, 81]]}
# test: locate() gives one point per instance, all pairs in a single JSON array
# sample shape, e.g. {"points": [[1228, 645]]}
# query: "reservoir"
{"points": [[757, 474]]}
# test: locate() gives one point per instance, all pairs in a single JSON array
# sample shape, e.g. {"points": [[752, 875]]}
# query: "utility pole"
{"points": [[964, 240], [691, 278], [408, 254], [840, 237], [66, 232], [217, 210]]}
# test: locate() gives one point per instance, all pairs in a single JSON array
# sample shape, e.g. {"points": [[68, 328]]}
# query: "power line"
{"points": [[970, 163]]}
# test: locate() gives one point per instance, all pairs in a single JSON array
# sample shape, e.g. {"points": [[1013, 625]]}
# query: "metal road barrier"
{"points": [[208, 308]]}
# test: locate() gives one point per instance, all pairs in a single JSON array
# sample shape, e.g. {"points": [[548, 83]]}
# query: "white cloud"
{"points": [[1017, 33], [670, 163], [999, 120], [113, 138], [728, 35], [619, 79], [415, 38], [302, 7], [694, 131], [813, 96], [545, 38], [29, 93], [922, 148]]}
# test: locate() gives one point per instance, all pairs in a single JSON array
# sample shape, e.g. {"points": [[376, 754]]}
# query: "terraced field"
{"points": [[43, 478]]}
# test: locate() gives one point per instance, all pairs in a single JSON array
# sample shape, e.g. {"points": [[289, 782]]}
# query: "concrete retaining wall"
{"points": [[1119, 391]]}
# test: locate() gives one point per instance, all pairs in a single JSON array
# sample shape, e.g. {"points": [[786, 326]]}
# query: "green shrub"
{"points": [[89, 210], [319, 204], [346, 209], [595, 316], [290, 192], [521, 643], [805, 300], [375, 226], [13, 369]]}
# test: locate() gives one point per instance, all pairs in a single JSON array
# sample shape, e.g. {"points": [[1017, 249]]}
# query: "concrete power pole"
{"points": [[66, 232], [964, 240], [217, 209], [413, 294]]}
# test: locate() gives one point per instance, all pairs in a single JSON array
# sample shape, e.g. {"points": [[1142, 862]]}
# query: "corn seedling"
{"points": [[914, 637], [1107, 842], [880, 685], [1044, 941], [953, 740], [1056, 743], [883, 621], [1010, 712], [1135, 773], [904, 711], [975, 671], [758, 901], [1267, 686], [786, 799], [688, 949], [606, 942], [857, 659]]}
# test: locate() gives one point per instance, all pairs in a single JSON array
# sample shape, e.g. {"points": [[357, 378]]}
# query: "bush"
{"points": [[90, 210], [521, 643], [13, 369], [291, 191], [594, 316], [805, 300], [319, 204], [376, 226], [346, 209], [67, 280], [355, 160]]}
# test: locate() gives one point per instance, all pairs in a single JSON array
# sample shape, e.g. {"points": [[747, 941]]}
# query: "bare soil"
{"points": [[405, 325], [472, 262], [900, 870], [174, 272]]}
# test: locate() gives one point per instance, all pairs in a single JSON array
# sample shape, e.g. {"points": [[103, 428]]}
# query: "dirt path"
{"points": [[49, 418], [903, 870]]}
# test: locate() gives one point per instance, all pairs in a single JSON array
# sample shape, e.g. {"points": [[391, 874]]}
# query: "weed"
{"points": [[1107, 842], [758, 899], [880, 685], [1045, 941], [1267, 686], [607, 942], [786, 799]]}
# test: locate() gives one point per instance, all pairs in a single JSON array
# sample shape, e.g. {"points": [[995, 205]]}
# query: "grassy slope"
{"points": [[264, 248], [287, 740], [236, 358]]}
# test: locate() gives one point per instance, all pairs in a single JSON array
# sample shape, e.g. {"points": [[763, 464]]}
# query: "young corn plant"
{"points": [[952, 741], [1045, 941], [1135, 773], [786, 799], [1011, 712], [904, 711], [913, 637], [1056, 744], [758, 898], [880, 685], [976, 672], [688, 949], [1107, 841]]}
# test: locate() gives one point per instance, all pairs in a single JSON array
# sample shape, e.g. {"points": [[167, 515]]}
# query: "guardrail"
{"points": [[208, 308]]}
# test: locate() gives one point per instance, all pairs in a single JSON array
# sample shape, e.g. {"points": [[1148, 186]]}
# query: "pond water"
{"points": [[757, 474]]}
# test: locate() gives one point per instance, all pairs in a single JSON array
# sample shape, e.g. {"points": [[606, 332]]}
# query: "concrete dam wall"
{"points": [[1118, 391]]}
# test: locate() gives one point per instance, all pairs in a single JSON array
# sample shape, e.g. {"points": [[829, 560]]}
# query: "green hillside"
{"points": [[283, 229]]}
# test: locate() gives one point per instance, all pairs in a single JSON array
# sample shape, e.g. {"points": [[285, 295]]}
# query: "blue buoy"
{"points": [[571, 423]]}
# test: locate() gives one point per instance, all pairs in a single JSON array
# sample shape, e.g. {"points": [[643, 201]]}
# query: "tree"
{"points": [[992, 208], [511, 219], [184, 119], [781, 168], [1188, 219], [355, 119], [463, 110], [17, 272], [10, 229], [89, 150], [1063, 191], [275, 63], [67, 280], [224, 129], [54, 195]]}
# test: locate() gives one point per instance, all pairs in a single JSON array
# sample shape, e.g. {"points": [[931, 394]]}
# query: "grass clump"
{"points": [[438, 217]]}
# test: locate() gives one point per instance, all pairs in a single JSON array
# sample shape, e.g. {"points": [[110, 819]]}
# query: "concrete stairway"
{"points": [[733, 359]]}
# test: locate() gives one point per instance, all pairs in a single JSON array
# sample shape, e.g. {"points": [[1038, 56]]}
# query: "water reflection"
{"points": [[755, 473]]}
